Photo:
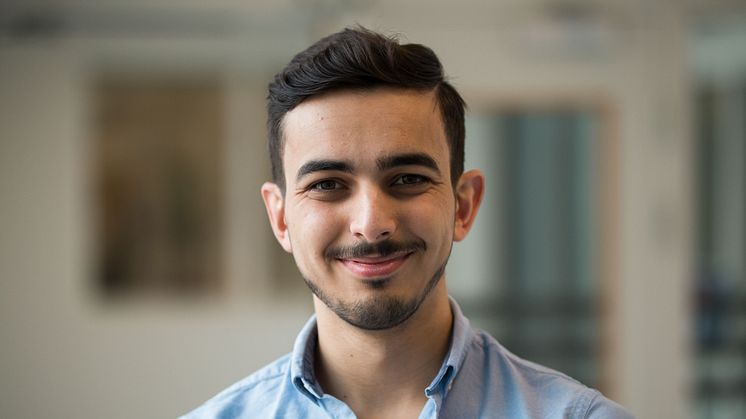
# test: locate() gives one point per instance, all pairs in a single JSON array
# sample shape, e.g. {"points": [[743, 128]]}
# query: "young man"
{"points": [[368, 194]]}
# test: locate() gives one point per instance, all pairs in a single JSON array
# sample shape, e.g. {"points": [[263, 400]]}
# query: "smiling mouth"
{"points": [[375, 266]]}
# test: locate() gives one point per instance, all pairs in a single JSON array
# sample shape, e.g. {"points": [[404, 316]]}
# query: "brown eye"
{"points": [[410, 179], [325, 185]]}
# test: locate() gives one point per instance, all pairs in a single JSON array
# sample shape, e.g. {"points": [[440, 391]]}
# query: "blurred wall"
{"points": [[66, 353]]}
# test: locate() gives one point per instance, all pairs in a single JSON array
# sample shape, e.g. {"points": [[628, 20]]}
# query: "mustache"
{"points": [[383, 249]]}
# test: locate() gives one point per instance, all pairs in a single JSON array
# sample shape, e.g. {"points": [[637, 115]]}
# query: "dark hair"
{"points": [[360, 59]]}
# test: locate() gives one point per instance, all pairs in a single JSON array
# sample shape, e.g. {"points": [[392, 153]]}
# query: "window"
{"points": [[158, 186], [720, 288]]}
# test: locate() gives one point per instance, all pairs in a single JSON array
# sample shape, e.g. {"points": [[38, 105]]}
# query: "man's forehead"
{"points": [[362, 128], [348, 118], [344, 107]]}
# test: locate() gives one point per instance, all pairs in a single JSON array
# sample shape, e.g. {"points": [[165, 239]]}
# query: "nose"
{"points": [[373, 215]]}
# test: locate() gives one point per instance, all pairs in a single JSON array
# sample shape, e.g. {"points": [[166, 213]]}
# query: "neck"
{"points": [[359, 366]]}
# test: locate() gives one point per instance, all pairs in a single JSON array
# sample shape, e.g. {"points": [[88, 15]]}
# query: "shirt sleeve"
{"points": [[603, 408]]}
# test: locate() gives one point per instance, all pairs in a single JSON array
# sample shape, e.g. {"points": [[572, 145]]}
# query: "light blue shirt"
{"points": [[478, 379]]}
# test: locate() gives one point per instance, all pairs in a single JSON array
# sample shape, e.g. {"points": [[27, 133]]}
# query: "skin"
{"points": [[370, 214]]}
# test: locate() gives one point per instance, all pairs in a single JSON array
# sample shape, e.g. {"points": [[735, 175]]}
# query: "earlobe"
{"points": [[274, 202], [469, 192]]}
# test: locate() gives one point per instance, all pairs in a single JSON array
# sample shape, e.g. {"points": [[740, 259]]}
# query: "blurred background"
{"points": [[138, 274]]}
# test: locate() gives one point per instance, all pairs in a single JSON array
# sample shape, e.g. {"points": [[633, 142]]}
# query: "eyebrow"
{"points": [[322, 165], [383, 163], [411, 159]]}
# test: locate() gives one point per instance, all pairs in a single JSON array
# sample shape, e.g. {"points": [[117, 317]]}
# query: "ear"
{"points": [[275, 204], [469, 192]]}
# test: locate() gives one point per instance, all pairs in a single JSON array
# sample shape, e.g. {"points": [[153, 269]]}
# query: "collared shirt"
{"points": [[479, 378]]}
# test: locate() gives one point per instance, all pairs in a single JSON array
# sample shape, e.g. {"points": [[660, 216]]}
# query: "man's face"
{"points": [[369, 209]]}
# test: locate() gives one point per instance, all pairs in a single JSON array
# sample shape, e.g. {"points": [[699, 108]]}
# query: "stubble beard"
{"points": [[380, 312]]}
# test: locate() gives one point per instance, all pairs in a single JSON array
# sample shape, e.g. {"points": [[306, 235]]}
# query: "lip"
{"points": [[375, 266]]}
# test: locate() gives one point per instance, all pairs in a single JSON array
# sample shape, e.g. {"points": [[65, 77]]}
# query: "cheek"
{"points": [[433, 222], [313, 228]]}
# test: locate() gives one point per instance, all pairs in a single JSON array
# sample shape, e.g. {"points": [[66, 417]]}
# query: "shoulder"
{"points": [[526, 385], [602, 408], [259, 390]]}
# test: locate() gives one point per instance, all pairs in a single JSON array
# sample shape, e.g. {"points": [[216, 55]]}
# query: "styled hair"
{"points": [[360, 59]]}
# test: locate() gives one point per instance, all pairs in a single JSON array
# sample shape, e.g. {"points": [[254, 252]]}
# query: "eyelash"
{"points": [[420, 179], [316, 186]]}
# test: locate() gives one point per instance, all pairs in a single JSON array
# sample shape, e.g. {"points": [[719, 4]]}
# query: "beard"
{"points": [[380, 312]]}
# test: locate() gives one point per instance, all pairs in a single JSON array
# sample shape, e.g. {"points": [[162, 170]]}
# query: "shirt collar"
{"points": [[304, 351], [302, 360], [461, 335]]}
